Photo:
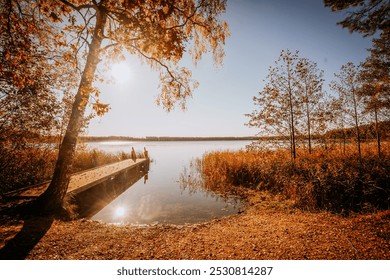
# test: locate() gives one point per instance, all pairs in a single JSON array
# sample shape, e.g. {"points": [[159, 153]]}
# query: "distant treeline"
{"points": [[367, 131], [163, 138]]}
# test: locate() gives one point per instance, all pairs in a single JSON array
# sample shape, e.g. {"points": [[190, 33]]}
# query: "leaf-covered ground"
{"points": [[269, 229]]}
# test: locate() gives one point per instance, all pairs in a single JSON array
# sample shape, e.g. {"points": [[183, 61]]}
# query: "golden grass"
{"points": [[326, 179], [90, 158]]}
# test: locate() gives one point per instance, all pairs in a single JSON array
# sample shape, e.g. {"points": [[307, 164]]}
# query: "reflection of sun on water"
{"points": [[121, 73]]}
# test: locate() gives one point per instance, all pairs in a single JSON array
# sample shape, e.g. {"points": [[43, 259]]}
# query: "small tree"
{"points": [[277, 103], [311, 97], [348, 86], [337, 119]]}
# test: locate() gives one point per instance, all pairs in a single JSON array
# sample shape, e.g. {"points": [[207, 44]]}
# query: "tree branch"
{"points": [[79, 7], [161, 64]]}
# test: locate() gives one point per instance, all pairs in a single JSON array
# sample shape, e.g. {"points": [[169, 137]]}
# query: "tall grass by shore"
{"points": [[33, 165], [25, 166], [327, 179]]}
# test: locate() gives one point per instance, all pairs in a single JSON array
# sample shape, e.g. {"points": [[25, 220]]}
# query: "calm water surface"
{"points": [[162, 199]]}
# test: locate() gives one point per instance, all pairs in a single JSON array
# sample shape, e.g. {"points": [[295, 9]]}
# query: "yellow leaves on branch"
{"points": [[32, 48], [160, 32], [176, 86], [93, 92], [100, 108]]}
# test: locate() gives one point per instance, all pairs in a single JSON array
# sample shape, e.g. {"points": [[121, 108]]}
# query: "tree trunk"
{"points": [[344, 140], [308, 120], [291, 109], [293, 150], [356, 124], [378, 137], [343, 134], [52, 199]]}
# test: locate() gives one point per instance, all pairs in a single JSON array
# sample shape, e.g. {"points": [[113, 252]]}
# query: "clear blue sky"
{"points": [[259, 31]]}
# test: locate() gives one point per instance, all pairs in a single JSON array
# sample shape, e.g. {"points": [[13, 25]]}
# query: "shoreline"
{"points": [[268, 228]]}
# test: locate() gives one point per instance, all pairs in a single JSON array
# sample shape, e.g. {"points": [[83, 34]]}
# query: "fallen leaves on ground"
{"points": [[267, 229]]}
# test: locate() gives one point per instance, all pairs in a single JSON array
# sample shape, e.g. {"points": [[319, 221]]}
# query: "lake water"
{"points": [[162, 198]]}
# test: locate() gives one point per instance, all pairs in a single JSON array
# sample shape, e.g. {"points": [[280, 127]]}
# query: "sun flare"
{"points": [[120, 211], [121, 73]]}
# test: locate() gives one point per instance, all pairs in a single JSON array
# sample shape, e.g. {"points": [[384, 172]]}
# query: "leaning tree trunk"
{"points": [[52, 199]]}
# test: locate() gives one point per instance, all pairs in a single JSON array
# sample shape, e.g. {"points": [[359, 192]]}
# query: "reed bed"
{"points": [[90, 158], [326, 179]]}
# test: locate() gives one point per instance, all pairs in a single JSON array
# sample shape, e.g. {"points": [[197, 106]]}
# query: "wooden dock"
{"points": [[89, 190], [93, 189], [84, 180]]}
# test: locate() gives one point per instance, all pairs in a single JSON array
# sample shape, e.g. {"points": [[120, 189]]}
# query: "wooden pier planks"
{"points": [[84, 180]]}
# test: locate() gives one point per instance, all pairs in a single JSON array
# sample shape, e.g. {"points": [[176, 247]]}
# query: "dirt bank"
{"points": [[269, 229]]}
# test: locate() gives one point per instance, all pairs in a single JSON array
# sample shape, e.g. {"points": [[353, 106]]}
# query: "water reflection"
{"points": [[173, 193], [92, 200], [192, 180], [191, 177]]}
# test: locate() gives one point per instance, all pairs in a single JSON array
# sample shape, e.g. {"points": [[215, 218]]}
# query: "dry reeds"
{"points": [[90, 158], [327, 179]]}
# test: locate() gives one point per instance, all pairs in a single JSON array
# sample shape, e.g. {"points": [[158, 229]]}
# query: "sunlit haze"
{"points": [[121, 74], [259, 31]]}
